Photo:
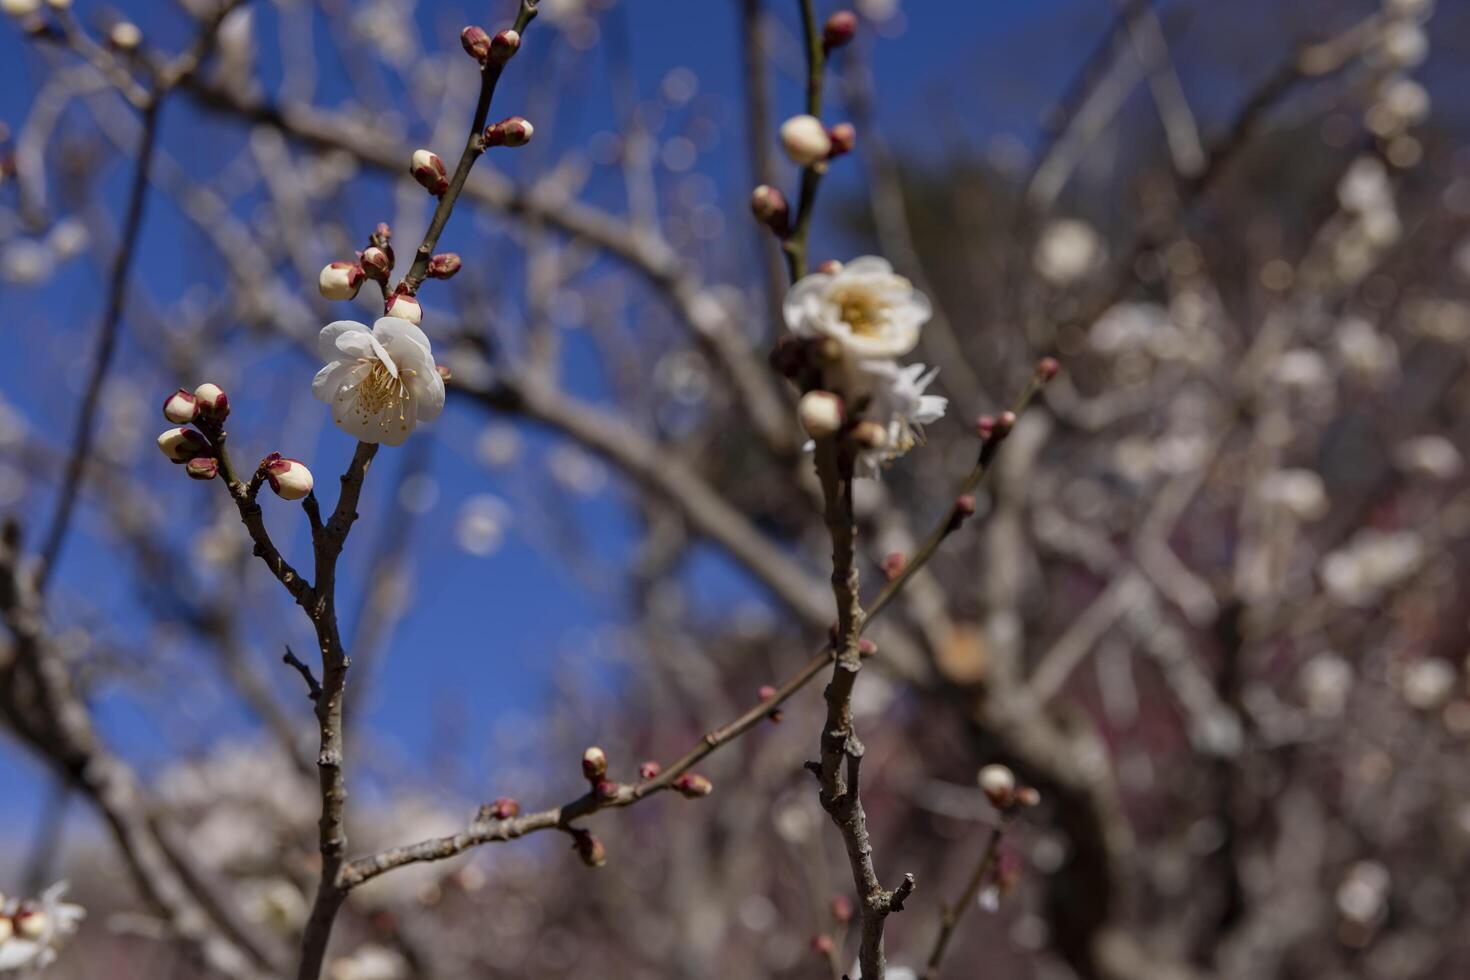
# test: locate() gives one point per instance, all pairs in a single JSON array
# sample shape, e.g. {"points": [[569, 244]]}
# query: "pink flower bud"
{"points": [[505, 808], [830, 267], [839, 29], [376, 263], [181, 407], [770, 208], [1028, 796], [429, 171], [1047, 368], [766, 692], [805, 140], [589, 849], [984, 426], [202, 468], [605, 790], [214, 405], [340, 280], [821, 413], [649, 770], [182, 445], [841, 908], [511, 132], [445, 374], [693, 785], [476, 43], [594, 763], [1004, 424], [822, 945], [866, 647], [289, 478], [965, 505], [503, 46], [444, 265], [843, 137], [405, 307], [999, 785], [893, 565]]}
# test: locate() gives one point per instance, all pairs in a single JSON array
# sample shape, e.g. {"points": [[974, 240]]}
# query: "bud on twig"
{"points": [[893, 565], [429, 171], [376, 263], [382, 235], [476, 43], [289, 478], [693, 785], [125, 36], [444, 265], [839, 29], [649, 770], [202, 468], [821, 413], [589, 849], [770, 208], [445, 374], [1004, 424], [830, 267], [505, 808], [405, 307], [999, 785], [605, 790], [984, 426], [841, 908], [843, 137], [822, 945], [181, 407], [870, 435], [214, 406], [805, 140], [511, 132], [1028, 796], [181, 445], [340, 280], [503, 46], [866, 647], [1047, 368], [594, 764]]}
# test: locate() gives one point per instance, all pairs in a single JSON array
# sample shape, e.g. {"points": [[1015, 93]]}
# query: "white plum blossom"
{"points": [[864, 306], [899, 405], [1358, 573], [1067, 251], [38, 929], [382, 382]]}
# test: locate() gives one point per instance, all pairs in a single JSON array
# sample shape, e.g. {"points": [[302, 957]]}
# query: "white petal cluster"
{"points": [[381, 383], [32, 932], [865, 316]]}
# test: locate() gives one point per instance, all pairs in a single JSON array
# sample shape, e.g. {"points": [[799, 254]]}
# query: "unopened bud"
{"points": [[594, 763], [893, 565], [821, 413], [984, 426], [6, 930], [693, 785], [870, 434], [404, 307], [1047, 368], [445, 375], [503, 46], [505, 808], [770, 208], [376, 263], [59, 4], [382, 234], [32, 923], [181, 407], [182, 445], [1004, 424], [511, 132], [125, 36], [822, 945], [429, 171], [444, 265], [589, 849], [999, 785], [766, 693], [214, 404], [340, 280], [649, 769], [839, 29], [866, 647], [843, 137], [605, 790], [1028, 796], [476, 43], [830, 267], [20, 8], [841, 908], [289, 478], [805, 140], [202, 468]]}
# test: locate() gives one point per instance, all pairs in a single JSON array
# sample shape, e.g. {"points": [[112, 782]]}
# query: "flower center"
{"points": [[380, 390], [861, 309]]}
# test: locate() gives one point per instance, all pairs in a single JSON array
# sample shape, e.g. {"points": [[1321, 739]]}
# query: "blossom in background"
{"points": [[33, 932], [900, 406], [864, 306], [382, 382]]}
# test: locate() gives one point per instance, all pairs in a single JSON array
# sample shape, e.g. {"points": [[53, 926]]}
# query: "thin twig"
{"points": [[313, 688], [949, 916]]}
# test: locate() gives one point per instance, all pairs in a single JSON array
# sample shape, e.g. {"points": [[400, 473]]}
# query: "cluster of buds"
{"points": [[999, 785], [206, 406], [342, 280], [511, 132], [487, 50], [429, 171]]}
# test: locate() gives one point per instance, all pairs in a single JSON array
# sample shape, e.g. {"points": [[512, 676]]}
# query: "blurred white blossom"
{"points": [[1358, 573], [36, 929], [1067, 251]]}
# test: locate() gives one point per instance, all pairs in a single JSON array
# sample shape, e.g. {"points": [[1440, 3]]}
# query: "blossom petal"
{"points": [[427, 390], [327, 340], [324, 386], [804, 301], [391, 328], [866, 266]]}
